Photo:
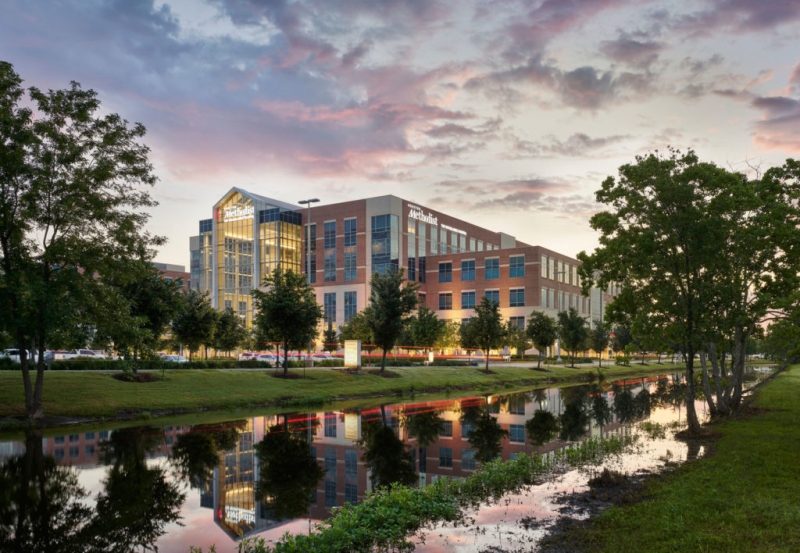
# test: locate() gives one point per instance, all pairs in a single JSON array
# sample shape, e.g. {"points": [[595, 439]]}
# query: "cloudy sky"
{"points": [[507, 113]]}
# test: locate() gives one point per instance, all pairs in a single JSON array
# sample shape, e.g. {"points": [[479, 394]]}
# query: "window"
{"points": [[422, 265], [74, 437], [445, 301], [468, 459], [434, 240], [330, 431], [385, 243], [58, 439], [89, 436], [567, 274], [74, 451], [445, 272], [351, 493], [329, 309], [516, 266], [350, 306], [543, 301], [349, 232], [468, 300], [467, 270], [492, 269], [516, 406], [517, 433], [551, 265], [466, 428], [104, 434], [517, 297], [472, 244], [443, 242], [58, 454], [90, 449], [551, 295], [518, 322], [480, 245], [313, 252], [412, 269], [330, 251], [330, 493], [493, 295], [350, 463], [445, 456], [350, 265], [447, 429]]}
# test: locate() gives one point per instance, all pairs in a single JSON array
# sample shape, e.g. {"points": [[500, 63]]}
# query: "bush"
{"points": [[624, 360], [7, 364]]}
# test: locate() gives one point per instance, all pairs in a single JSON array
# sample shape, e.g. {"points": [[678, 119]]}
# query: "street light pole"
{"points": [[308, 236]]}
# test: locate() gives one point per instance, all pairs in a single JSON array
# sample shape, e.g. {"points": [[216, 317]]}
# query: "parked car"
{"points": [[248, 356], [13, 354], [270, 358], [325, 356], [82, 353], [174, 359]]}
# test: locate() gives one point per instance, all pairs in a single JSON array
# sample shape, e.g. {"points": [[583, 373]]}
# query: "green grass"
{"points": [[98, 395], [746, 497]]}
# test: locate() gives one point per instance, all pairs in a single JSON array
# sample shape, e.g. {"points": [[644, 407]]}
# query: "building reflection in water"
{"points": [[437, 435]]}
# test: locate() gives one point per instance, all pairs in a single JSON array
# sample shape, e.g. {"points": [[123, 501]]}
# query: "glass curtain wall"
{"points": [[385, 243], [235, 248]]}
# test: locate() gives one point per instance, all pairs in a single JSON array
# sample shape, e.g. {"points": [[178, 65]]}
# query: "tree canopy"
{"points": [[486, 331], [194, 325], [73, 198], [287, 311], [542, 331], [573, 331], [392, 300]]}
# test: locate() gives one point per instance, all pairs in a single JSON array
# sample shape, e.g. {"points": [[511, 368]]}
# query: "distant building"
{"points": [[172, 272]]}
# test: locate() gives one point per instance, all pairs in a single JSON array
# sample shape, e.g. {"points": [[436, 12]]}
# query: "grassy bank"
{"points": [[746, 497], [96, 395]]}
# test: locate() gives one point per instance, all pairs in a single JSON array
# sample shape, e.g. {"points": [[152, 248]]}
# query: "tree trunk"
{"points": [[600, 360], [691, 412], [539, 366], [712, 408], [383, 360], [722, 405], [285, 357], [486, 353]]}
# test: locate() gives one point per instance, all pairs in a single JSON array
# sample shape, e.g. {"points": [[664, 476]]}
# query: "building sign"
{"points": [[415, 212], [238, 213], [451, 229], [236, 514], [352, 354]]}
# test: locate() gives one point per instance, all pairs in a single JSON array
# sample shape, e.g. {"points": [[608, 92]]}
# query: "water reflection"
{"points": [[257, 474]]}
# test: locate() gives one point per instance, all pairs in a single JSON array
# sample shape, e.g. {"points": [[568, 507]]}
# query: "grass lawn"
{"points": [[746, 497], [95, 395]]}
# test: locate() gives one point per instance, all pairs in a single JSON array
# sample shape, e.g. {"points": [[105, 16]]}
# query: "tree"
{"points": [[573, 331], [357, 329], [194, 326], [485, 434], [426, 328], [486, 331], [73, 194], [542, 427], [229, 331], [707, 251], [450, 337], [287, 311], [542, 331], [516, 337], [391, 305], [152, 302], [385, 455], [599, 338], [330, 340]]}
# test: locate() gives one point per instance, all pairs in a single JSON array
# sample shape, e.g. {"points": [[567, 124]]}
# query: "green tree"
{"points": [[357, 329], [517, 338], [229, 332], [451, 336], [385, 455], [391, 305], [573, 331], [599, 338], [287, 311], [543, 331], [73, 195], [486, 331], [330, 340], [426, 328], [194, 326]]}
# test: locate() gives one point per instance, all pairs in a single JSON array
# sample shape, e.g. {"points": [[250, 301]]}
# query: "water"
{"points": [[174, 486]]}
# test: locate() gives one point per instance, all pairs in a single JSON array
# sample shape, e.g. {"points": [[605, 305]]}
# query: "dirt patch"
{"points": [[606, 489], [287, 376], [138, 377], [384, 374]]}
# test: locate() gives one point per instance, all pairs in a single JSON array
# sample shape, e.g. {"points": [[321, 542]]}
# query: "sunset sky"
{"points": [[506, 113]]}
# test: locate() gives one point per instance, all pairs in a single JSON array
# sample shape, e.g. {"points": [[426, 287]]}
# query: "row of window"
{"points": [[491, 269], [516, 298], [329, 307], [88, 436], [561, 271]]}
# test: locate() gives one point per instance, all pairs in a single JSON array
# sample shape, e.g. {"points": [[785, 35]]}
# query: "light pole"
{"points": [[308, 236], [558, 300]]}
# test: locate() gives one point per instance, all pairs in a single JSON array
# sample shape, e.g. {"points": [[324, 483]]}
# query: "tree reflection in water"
{"points": [[196, 453], [138, 500], [42, 509], [385, 455], [289, 471], [485, 434], [575, 418], [40, 504]]}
